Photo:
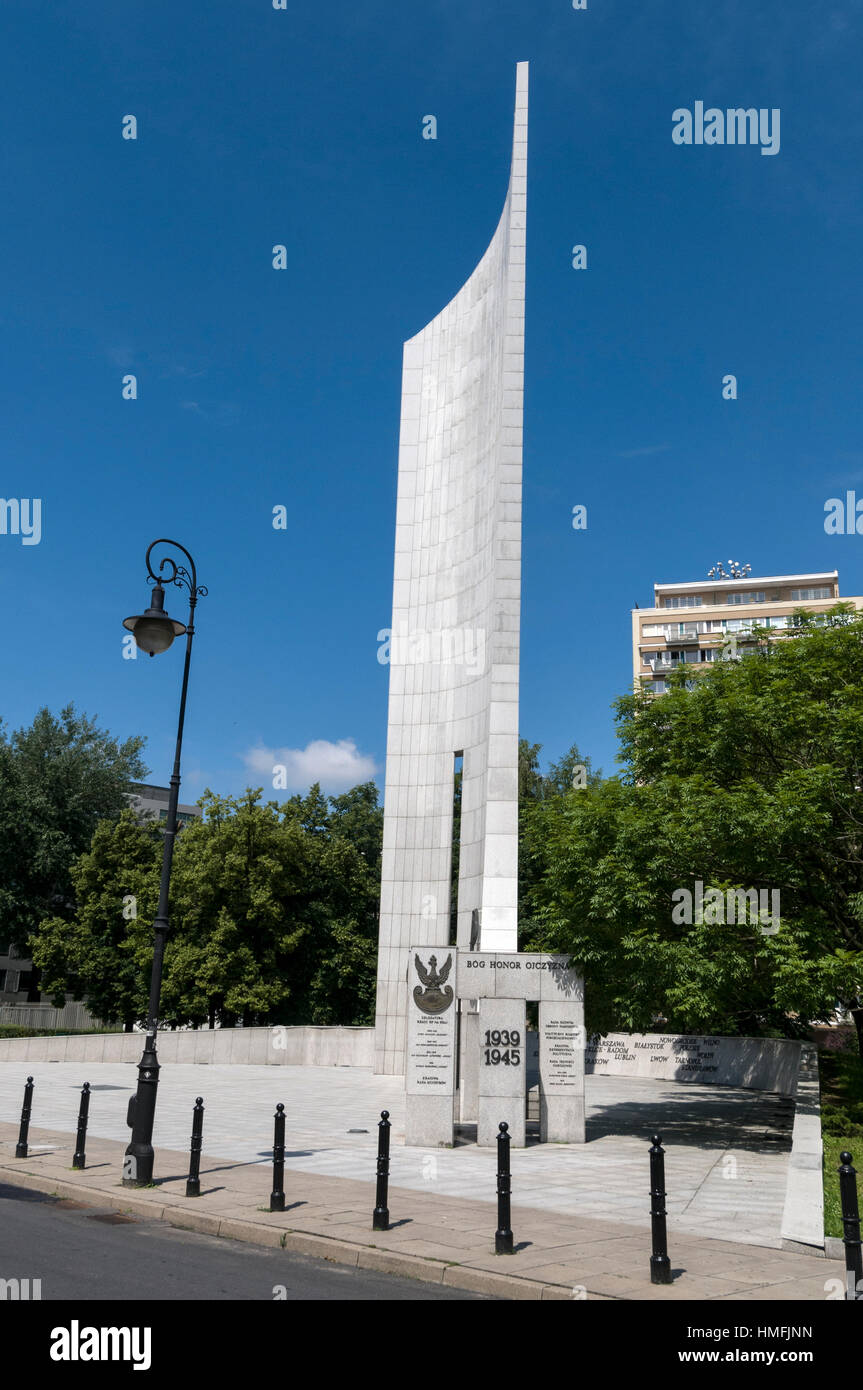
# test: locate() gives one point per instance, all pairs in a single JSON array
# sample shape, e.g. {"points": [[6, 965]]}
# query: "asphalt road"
{"points": [[93, 1253]]}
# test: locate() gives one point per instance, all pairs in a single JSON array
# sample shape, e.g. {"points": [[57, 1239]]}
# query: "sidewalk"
{"points": [[442, 1239], [727, 1150]]}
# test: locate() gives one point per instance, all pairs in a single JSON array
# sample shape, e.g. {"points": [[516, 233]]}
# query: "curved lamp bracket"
{"points": [[178, 574]]}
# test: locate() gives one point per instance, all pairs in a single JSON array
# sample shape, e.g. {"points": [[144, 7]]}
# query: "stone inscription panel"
{"points": [[517, 975], [655, 1055], [561, 1048], [432, 1019], [764, 1064], [561, 1071], [431, 1057]]}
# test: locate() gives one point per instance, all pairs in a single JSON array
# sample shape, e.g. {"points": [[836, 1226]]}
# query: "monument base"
{"points": [[429, 1122], [494, 1050]]}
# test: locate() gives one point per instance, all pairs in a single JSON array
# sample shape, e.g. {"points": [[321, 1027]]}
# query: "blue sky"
{"points": [[260, 387]]}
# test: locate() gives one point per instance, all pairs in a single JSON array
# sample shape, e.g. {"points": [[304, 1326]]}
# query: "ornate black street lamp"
{"points": [[154, 632]]}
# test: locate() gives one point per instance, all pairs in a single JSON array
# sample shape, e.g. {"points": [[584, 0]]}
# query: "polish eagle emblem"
{"points": [[437, 995]]}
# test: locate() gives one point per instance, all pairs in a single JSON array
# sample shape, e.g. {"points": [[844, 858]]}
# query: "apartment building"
{"points": [[17, 977], [695, 623], [151, 803]]}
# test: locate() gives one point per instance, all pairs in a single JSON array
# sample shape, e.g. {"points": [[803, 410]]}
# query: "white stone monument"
{"points": [[453, 647]]}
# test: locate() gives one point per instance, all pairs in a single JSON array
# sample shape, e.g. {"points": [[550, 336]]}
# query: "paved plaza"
{"points": [[726, 1164]]}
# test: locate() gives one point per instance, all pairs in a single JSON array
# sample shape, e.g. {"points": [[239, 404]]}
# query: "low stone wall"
{"points": [[293, 1047], [762, 1064], [758, 1064]]}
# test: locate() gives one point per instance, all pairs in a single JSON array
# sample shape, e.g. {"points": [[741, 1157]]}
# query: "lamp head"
{"points": [[154, 630]]}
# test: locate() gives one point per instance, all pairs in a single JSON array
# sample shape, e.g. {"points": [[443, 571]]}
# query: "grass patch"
{"points": [[842, 1095], [833, 1147], [841, 1126]]}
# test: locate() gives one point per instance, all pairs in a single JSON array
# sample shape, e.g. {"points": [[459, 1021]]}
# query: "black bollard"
{"points": [[79, 1159], [381, 1213], [851, 1230], [660, 1265], [277, 1196], [503, 1234], [21, 1146], [193, 1181]]}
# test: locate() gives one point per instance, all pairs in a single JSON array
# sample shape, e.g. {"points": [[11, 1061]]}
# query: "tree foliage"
{"points": [[105, 951], [273, 914], [58, 779], [748, 777]]}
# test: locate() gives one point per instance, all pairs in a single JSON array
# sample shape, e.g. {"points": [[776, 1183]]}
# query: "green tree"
{"points": [[342, 987], [104, 953], [242, 903], [534, 789], [750, 777], [58, 779], [275, 908], [356, 816], [273, 914]]}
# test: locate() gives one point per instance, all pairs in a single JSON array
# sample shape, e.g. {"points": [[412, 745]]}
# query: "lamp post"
{"points": [[154, 631]]}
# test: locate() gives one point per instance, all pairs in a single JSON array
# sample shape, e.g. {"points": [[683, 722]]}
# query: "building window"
{"points": [[683, 601], [183, 818], [753, 597], [659, 687], [655, 630], [801, 594]]}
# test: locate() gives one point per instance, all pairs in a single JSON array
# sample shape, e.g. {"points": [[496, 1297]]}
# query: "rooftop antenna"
{"points": [[736, 570]]}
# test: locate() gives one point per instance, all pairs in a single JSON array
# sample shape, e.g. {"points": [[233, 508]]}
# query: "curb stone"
{"points": [[414, 1266], [482, 1281]]}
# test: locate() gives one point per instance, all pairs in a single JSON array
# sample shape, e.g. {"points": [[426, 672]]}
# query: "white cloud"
{"points": [[337, 766]]}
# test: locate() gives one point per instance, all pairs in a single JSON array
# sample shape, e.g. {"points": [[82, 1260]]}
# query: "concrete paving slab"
{"points": [[716, 1176]]}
